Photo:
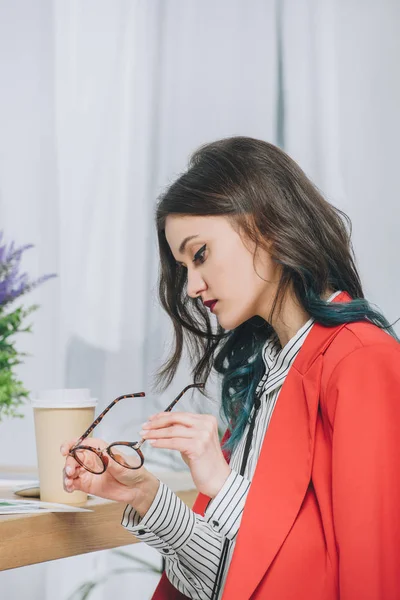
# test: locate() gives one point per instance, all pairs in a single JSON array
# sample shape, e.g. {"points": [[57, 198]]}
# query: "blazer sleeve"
{"points": [[365, 387]]}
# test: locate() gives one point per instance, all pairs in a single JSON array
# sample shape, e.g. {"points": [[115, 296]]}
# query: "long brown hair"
{"points": [[238, 177], [270, 198]]}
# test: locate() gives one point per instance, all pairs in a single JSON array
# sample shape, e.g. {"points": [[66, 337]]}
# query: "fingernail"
{"points": [[145, 425], [69, 470], [152, 442], [142, 432], [66, 484]]}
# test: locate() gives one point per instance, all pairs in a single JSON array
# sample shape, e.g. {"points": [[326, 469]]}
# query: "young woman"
{"points": [[303, 500]]}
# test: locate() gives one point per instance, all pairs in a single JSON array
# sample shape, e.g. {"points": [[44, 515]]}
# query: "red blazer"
{"points": [[322, 517]]}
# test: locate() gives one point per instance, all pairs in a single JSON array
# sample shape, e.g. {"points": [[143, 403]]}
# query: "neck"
{"points": [[287, 322], [290, 318]]}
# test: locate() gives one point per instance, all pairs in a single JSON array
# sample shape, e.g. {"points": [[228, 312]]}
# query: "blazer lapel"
{"points": [[279, 483], [283, 470]]}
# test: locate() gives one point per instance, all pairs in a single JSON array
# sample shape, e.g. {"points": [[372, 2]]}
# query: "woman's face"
{"points": [[222, 268]]}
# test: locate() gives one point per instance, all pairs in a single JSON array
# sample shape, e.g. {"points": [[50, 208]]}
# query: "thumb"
{"points": [[185, 458]]}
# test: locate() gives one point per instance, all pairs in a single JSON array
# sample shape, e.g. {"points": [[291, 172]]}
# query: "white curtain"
{"points": [[341, 90], [127, 90], [101, 105]]}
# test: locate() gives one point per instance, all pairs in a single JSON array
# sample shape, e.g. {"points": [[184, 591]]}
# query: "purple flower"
{"points": [[14, 284]]}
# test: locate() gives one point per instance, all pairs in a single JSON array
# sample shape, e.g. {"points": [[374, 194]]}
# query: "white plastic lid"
{"points": [[63, 398]]}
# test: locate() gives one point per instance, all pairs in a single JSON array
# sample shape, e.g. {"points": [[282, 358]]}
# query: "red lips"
{"points": [[210, 304]]}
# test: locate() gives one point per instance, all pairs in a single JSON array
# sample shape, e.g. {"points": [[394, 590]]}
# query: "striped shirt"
{"points": [[192, 544]]}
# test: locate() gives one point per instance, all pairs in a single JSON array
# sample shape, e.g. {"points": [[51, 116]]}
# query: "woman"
{"points": [[303, 502]]}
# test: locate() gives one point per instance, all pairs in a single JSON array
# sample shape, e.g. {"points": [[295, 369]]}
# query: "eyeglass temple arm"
{"points": [[171, 406], [101, 415], [179, 396], [138, 394]]}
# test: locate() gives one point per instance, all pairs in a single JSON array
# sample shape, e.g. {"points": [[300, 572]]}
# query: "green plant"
{"points": [[13, 284]]}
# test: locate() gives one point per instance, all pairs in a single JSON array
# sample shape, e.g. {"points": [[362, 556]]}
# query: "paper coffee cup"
{"points": [[59, 415]]}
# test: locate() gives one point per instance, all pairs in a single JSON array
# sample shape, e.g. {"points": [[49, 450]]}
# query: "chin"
{"points": [[229, 322]]}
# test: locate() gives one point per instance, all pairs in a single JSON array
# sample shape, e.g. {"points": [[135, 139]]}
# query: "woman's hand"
{"points": [[196, 438], [137, 487]]}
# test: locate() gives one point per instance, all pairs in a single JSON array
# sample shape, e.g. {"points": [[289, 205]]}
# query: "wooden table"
{"points": [[30, 539]]}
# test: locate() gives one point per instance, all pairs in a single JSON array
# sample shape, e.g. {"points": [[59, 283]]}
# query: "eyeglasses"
{"points": [[127, 454]]}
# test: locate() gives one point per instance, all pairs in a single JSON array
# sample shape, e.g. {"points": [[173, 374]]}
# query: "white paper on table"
{"points": [[15, 507]]}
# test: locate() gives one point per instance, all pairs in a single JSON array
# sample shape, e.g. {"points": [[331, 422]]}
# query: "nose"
{"points": [[195, 284]]}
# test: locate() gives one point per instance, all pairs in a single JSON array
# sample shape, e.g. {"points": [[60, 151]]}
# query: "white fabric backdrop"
{"points": [[132, 90], [101, 105]]}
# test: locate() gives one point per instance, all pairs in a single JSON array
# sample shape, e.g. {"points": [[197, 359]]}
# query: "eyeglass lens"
{"points": [[125, 455]]}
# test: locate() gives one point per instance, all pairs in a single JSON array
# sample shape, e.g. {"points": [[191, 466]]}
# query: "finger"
{"points": [[67, 445], [171, 412], [72, 468], [80, 481], [169, 418], [180, 444], [178, 431], [184, 416], [68, 483]]}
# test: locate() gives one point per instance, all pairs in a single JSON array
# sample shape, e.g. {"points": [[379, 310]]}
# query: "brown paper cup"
{"points": [[59, 415]]}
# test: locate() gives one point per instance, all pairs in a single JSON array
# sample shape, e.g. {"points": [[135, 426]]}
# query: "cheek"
{"points": [[238, 303], [245, 280], [241, 289], [235, 271], [238, 280]]}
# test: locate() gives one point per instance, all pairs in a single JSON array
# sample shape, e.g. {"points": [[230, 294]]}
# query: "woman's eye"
{"points": [[199, 257]]}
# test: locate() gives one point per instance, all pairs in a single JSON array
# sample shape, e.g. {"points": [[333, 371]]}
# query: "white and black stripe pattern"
{"points": [[192, 544], [277, 364]]}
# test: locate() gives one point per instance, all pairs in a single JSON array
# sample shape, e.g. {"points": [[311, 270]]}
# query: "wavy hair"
{"points": [[242, 177]]}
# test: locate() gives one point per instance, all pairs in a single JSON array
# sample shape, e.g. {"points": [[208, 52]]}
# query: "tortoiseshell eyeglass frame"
{"points": [[134, 445]]}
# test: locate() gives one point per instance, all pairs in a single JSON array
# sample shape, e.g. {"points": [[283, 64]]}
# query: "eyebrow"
{"points": [[185, 241]]}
